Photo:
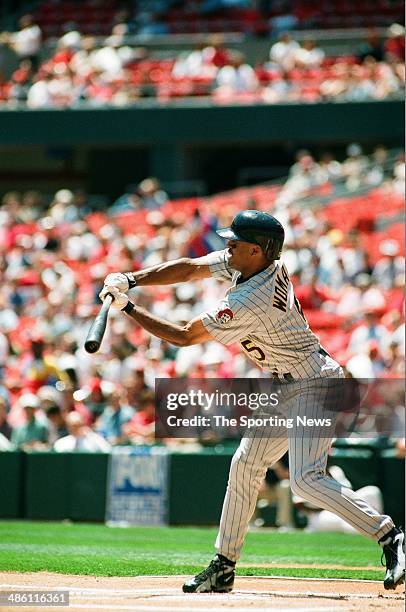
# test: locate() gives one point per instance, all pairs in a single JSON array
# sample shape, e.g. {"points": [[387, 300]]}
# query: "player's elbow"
{"points": [[181, 337], [179, 341], [187, 336], [184, 338]]}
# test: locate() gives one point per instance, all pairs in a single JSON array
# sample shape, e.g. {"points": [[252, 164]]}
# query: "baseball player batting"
{"points": [[261, 313]]}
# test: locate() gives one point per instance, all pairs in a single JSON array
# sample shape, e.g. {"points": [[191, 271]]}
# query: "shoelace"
{"points": [[213, 566], [390, 555]]}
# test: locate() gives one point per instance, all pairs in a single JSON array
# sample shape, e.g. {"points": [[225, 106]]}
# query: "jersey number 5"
{"points": [[260, 355]]}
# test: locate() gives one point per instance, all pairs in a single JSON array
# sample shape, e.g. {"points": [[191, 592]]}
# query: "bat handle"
{"points": [[108, 299], [95, 335]]}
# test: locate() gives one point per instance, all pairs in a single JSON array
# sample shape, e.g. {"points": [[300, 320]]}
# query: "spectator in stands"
{"points": [[360, 296], [304, 175], [134, 385], [39, 367], [118, 74], [27, 41], [373, 46], [391, 266], [395, 44], [116, 414], [283, 53], [203, 62], [352, 254], [335, 85], [5, 444], [358, 86], [63, 208], [216, 54], [151, 194], [5, 428], [386, 80], [39, 94], [237, 77], [354, 167], [148, 194], [308, 55], [371, 330], [81, 61], [33, 434], [378, 168], [330, 166], [313, 295], [94, 397], [113, 56], [21, 81], [141, 428], [56, 423], [395, 360], [399, 174], [4, 349], [80, 438]]}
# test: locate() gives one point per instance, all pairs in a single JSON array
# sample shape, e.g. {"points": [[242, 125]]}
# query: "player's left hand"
{"points": [[120, 300]]}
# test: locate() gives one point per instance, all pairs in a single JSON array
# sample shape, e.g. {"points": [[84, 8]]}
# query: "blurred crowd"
{"points": [[55, 254], [149, 18], [85, 69]]}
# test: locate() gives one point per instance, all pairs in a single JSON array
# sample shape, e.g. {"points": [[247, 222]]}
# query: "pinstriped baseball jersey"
{"points": [[264, 316]]}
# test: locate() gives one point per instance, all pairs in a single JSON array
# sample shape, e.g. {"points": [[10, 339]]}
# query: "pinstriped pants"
{"points": [[308, 453]]}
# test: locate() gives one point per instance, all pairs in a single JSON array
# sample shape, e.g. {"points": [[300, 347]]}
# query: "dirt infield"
{"points": [[163, 594]]}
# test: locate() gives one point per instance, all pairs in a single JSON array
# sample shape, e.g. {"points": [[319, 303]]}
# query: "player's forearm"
{"points": [[192, 333], [170, 272], [158, 327]]}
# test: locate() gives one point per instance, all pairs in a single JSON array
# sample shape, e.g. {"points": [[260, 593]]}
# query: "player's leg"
{"points": [[247, 472], [248, 467], [308, 453]]}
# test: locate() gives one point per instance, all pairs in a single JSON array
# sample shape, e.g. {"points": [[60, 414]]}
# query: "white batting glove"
{"points": [[120, 299], [117, 279]]}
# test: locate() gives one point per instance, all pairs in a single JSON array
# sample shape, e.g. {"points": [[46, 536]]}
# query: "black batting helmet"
{"points": [[258, 228]]}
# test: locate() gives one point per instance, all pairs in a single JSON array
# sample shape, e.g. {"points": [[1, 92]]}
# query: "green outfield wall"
{"points": [[104, 150], [150, 123], [57, 486]]}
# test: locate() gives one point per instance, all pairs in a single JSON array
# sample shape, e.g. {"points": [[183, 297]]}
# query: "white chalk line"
{"points": [[173, 593], [185, 576], [141, 607]]}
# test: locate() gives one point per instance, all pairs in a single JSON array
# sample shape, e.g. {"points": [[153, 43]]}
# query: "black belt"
{"points": [[283, 377]]}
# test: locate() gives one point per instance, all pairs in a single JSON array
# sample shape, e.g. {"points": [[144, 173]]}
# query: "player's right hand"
{"points": [[116, 279], [120, 299]]}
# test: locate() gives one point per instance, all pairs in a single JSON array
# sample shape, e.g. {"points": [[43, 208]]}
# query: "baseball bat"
{"points": [[96, 332]]}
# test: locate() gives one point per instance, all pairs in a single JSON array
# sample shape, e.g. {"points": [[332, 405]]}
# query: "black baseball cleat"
{"points": [[393, 546], [217, 578]]}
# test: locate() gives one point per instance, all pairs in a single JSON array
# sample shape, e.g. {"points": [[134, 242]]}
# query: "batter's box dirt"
{"points": [[164, 594]]}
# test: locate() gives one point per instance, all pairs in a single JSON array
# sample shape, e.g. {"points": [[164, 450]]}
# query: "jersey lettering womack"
{"points": [[281, 290]]}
